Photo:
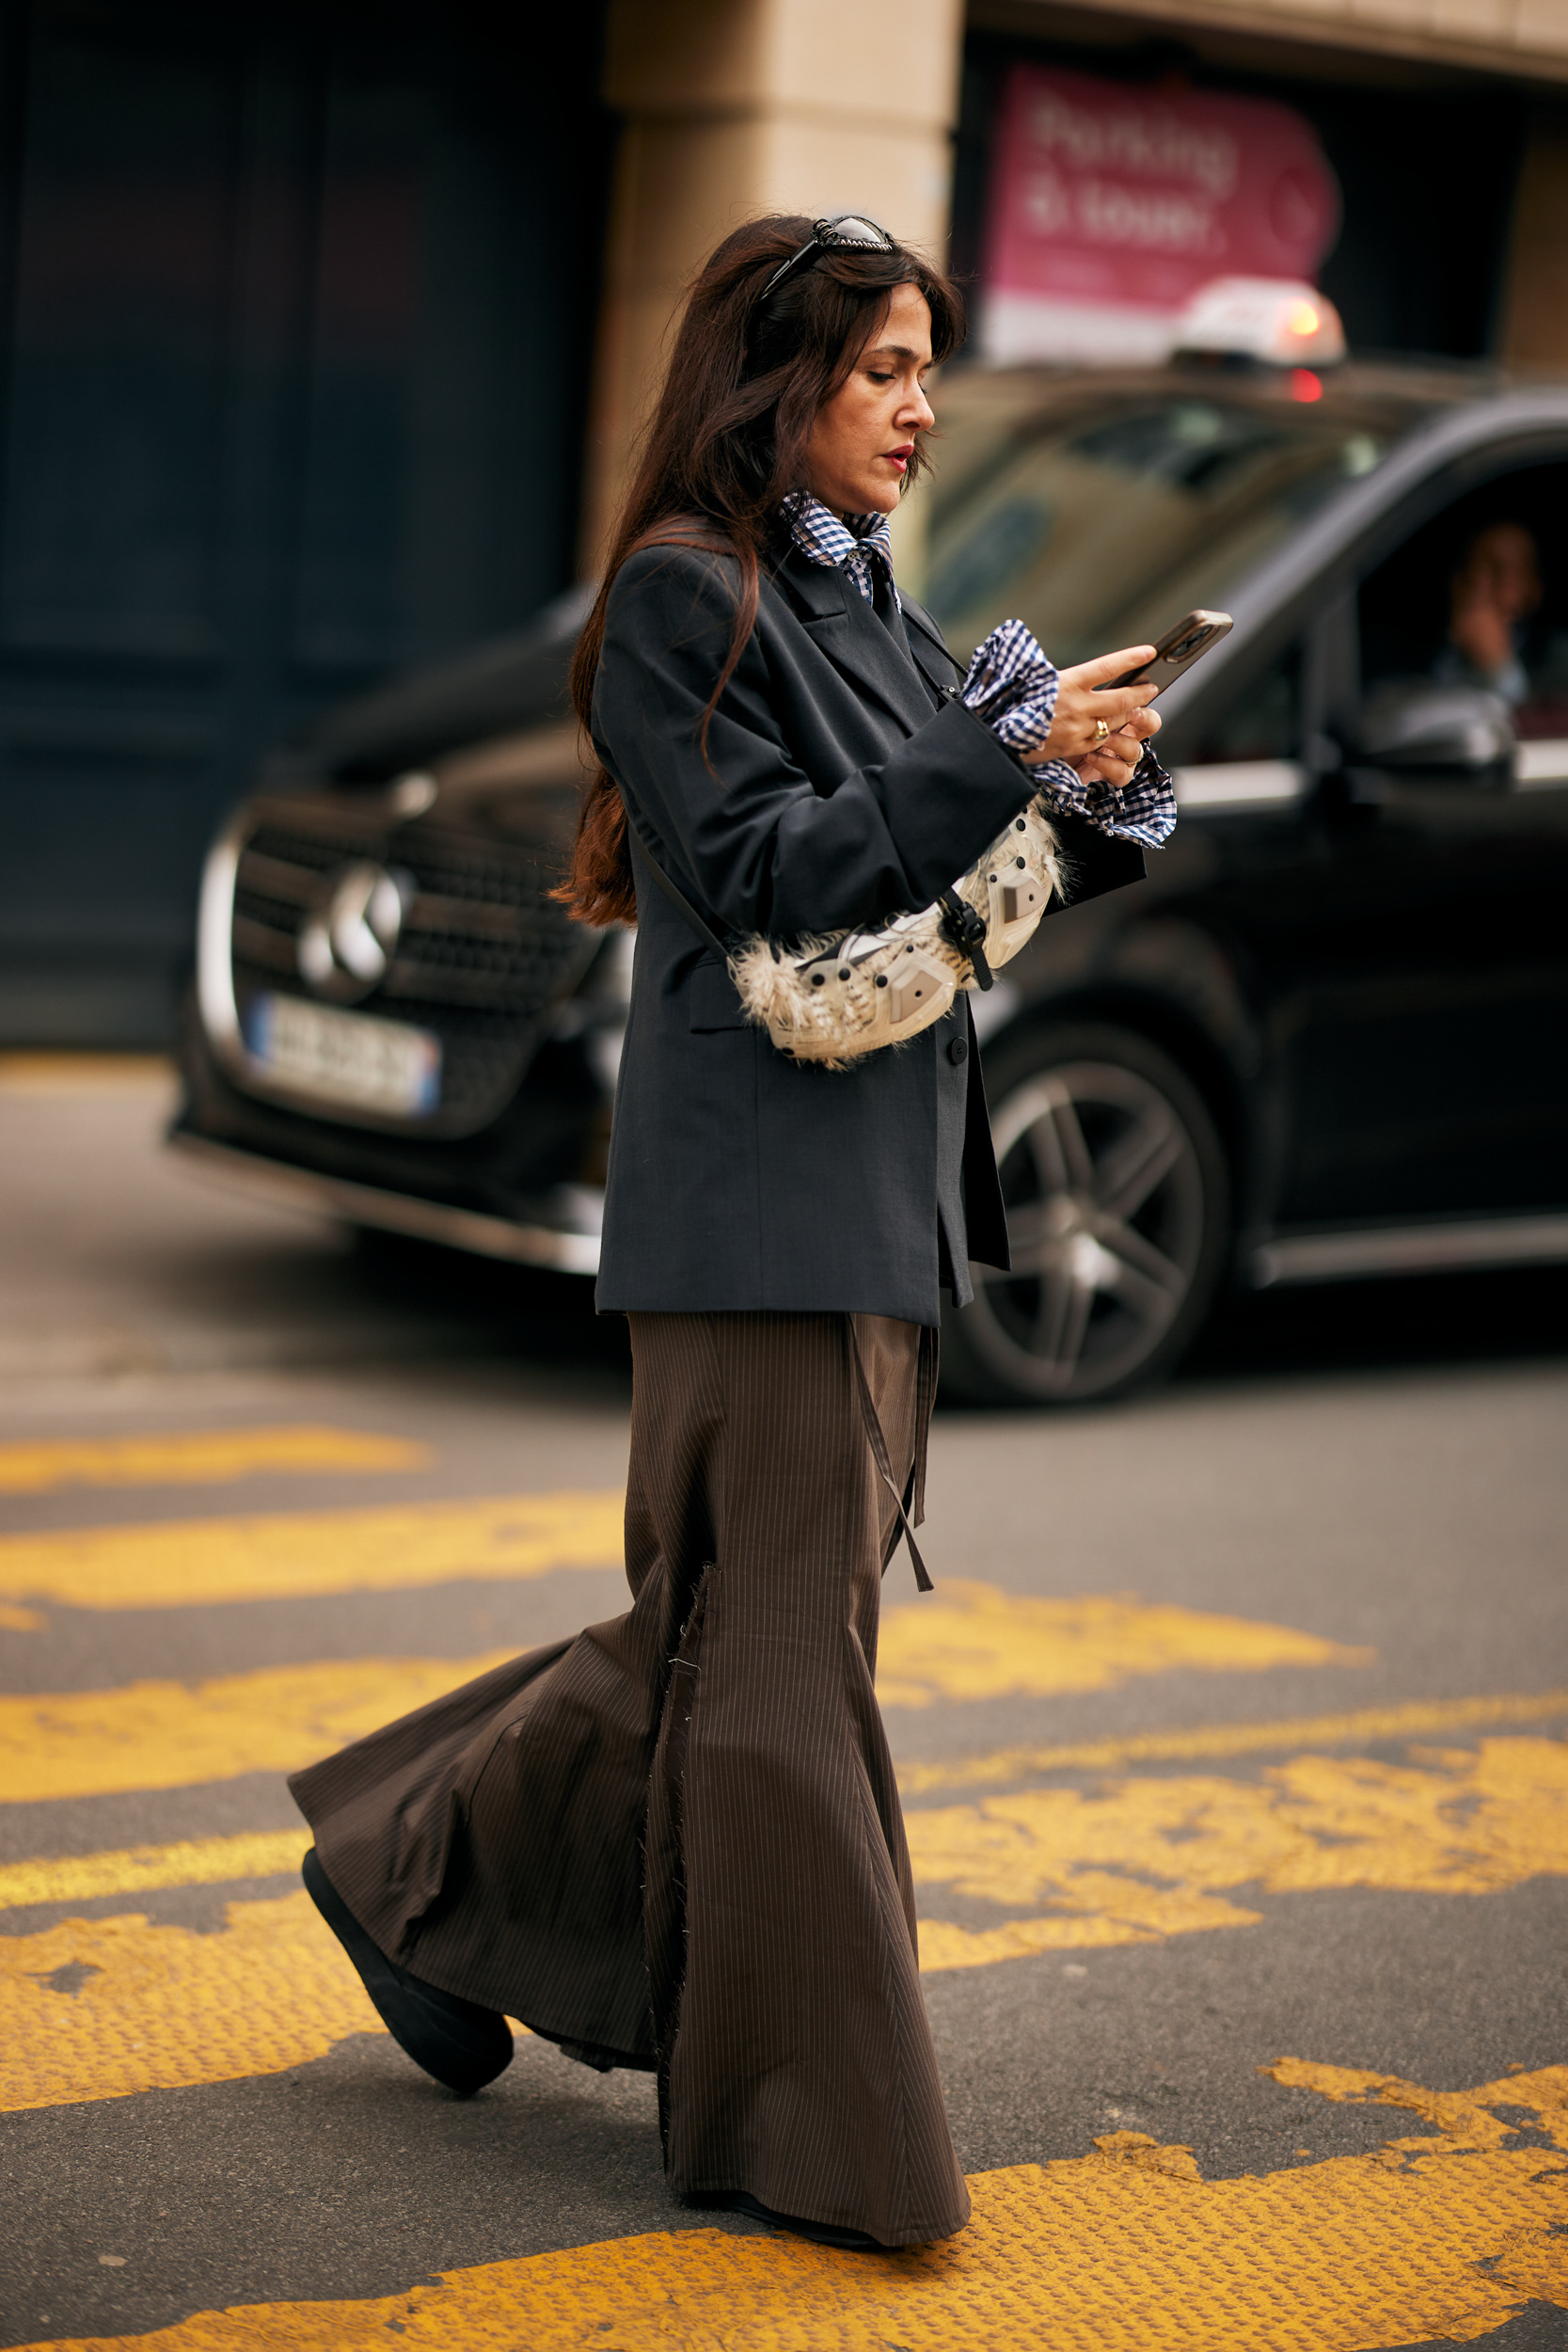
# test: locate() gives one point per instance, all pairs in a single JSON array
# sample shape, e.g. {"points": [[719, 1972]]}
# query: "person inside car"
{"points": [[1494, 591]]}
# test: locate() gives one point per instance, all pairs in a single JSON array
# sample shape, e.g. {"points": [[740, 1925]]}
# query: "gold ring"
{"points": [[1101, 729]]}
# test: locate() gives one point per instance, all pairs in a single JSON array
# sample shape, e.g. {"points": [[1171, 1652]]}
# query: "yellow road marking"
{"points": [[200, 1458], [167, 2007], [1464, 2116], [1149, 1858], [1408, 1721], [144, 2008], [165, 1735], [170, 1735], [21, 1620], [80, 1073], [135, 1870], [209, 1861], [974, 1641], [1108, 2252], [288, 1555]]}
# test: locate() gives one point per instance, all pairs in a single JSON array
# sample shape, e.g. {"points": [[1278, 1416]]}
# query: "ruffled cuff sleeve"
{"points": [[1012, 687]]}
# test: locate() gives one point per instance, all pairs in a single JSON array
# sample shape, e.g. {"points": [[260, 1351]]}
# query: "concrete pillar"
{"points": [[1535, 302], [732, 107]]}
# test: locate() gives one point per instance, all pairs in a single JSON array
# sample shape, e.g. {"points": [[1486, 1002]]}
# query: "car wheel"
{"points": [[1118, 1204]]}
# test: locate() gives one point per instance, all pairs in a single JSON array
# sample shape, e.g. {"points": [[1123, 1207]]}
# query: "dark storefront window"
{"points": [[296, 316]]}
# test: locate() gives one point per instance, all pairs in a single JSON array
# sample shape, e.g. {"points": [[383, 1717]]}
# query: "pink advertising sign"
{"points": [[1110, 205]]}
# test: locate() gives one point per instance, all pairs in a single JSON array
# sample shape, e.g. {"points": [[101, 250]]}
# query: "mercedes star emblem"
{"points": [[348, 937]]}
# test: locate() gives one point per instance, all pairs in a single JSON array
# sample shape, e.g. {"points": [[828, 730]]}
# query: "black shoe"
{"points": [[819, 2233], [460, 2044]]}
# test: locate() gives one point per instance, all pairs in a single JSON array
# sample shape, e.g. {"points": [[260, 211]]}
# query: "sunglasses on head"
{"points": [[848, 231]]}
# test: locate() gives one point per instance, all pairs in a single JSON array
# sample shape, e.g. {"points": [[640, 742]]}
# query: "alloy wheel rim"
{"points": [[1104, 1196]]}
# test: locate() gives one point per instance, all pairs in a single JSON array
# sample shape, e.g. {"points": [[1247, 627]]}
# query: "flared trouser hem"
{"points": [[676, 1841]]}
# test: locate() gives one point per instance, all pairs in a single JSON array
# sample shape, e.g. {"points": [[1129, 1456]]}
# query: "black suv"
{"points": [[1324, 1039]]}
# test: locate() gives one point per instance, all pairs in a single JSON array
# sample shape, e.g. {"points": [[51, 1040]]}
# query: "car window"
{"points": [[1478, 596], [1101, 529], [1263, 720]]}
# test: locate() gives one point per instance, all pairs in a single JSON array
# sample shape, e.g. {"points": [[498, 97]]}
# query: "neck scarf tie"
{"points": [[859, 545]]}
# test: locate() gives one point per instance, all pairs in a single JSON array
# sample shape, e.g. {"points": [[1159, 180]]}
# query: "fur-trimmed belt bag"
{"points": [[829, 1000]]}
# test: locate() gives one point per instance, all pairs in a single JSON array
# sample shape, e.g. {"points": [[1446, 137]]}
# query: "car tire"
{"points": [[1118, 1197]]}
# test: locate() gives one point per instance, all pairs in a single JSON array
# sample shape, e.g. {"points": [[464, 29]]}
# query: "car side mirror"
{"points": [[1451, 731]]}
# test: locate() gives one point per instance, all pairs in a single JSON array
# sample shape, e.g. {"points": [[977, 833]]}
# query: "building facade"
{"points": [[326, 328], [296, 307]]}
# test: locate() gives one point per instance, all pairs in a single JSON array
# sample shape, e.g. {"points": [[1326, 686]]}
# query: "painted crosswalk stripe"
{"points": [[1111, 2252], [84, 1878], [173, 1735], [193, 1457], [101, 2009], [262, 1853], [295, 1554], [974, 1640], [1411, 1719], [168, 1734], [83, 1073], [1133, 1861]]}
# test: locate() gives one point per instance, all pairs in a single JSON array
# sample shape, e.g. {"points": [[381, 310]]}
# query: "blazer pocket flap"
{"points": [[714, 1001]]}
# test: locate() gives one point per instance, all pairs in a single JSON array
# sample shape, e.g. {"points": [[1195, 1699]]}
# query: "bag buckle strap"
{"points": [[879, 1456], [964, 927]]}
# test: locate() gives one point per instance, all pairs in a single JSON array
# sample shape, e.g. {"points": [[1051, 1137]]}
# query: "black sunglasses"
{"points": [[853, 232]]}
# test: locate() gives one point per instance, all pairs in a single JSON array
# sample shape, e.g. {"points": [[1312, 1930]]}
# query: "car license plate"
{"points": [[348, 1058]]}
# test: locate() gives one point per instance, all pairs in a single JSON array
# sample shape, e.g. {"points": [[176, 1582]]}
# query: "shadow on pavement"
{"points": [[543, 1318], [1415, 1324]]}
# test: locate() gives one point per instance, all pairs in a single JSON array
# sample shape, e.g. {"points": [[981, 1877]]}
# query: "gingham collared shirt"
{"points": [[857, 544], [1011, 684]]}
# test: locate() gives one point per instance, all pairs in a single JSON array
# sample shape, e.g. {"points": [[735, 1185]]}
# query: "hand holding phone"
{"points": [[1177, 649], [1113, 736], [1091, 709]]}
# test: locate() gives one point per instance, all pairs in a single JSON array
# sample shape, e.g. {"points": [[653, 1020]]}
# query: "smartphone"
{"points": [[1179, 648]]}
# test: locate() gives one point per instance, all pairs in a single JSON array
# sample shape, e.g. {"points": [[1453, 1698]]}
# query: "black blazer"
{"points": [[843, 784]]}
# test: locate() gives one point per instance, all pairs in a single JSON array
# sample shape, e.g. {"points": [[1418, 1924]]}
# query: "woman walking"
{"points": [[675, 1843]]}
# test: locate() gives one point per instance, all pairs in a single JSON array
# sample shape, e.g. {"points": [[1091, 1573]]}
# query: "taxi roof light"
{"points": [[1282, 322]]}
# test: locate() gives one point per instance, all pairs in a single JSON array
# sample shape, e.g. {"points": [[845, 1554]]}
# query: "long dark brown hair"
{"points": [[725, 444]]}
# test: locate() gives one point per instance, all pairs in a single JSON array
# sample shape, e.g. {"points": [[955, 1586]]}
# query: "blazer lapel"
{"points": [[837, 617], [929, 647]]}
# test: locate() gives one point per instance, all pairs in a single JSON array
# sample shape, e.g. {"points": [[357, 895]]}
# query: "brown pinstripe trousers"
{"points": [[676, 1842]]}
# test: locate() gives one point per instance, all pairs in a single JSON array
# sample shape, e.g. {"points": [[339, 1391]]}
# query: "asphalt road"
{"points": [[1233, 1759]]}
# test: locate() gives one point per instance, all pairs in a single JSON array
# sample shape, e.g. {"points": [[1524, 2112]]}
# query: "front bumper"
{"points": [[562, 1232]]}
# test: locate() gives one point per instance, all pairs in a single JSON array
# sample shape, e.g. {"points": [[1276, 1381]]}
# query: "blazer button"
{"points": [[958, 1049]]}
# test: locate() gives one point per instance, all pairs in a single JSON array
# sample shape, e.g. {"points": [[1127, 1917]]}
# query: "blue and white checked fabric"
{"points": [[1012, 687], [855, 546]]}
